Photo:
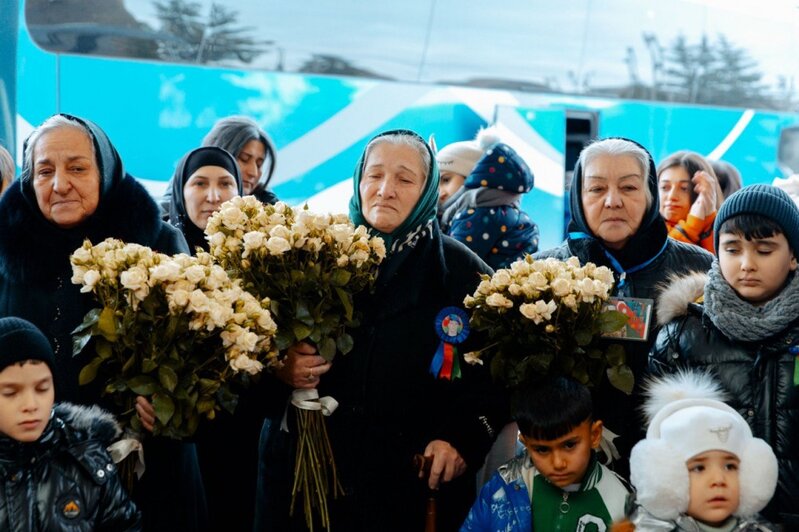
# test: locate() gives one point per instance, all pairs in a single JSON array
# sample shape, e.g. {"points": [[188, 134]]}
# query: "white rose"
{"points": [[537, 281], [546, 309], [586, 288], [314, 244], [198, 301], [501, 279], [134, 278], [604, 274], [195, 273], [341, 232], [472, 358], [280, 231], [484, 288], [77, 274], [166, 271], [90, 279], [561, 287], [359, 257], [246, 364], [277, 245], [232, 216], [253, 240], [342, 261], [570, 301], [377, 244], [573, 262], [498, 300], [515, 289], [528, 310], [217, 240], [232, 243]]}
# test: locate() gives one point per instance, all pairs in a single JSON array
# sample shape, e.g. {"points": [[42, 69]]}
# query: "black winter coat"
{"points": [[649, 258], [391, 407], [65, 480], [758, 378], [35, 284]]}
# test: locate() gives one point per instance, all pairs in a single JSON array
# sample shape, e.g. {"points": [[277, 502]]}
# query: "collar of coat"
{"points": [[71, 427], [678, 293], [33, 249]]}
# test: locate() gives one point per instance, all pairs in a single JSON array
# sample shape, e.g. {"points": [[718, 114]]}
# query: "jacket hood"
{"points": [[644, 245], [91, 422], [501, 168], [678, 293]]}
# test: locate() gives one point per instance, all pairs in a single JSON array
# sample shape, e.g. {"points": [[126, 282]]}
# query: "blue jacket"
{"points": [[485, 215], [505, 502]]}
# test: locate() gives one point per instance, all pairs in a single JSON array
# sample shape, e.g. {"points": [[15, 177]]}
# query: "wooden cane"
{"points": [[423, 464]]}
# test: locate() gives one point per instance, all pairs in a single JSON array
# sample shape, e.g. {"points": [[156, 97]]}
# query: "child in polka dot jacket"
{"points": [[487, 216]]}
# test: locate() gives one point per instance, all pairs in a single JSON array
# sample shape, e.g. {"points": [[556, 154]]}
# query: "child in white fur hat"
{"points": [[699, 467]]}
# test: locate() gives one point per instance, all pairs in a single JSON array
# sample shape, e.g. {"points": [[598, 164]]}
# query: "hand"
{"points": [[302, 367], [447, 463], [705, 188], [146, 412]]}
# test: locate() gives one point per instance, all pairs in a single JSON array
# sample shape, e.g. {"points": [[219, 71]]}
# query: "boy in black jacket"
{"points": [[55, 472], [746, 331]]}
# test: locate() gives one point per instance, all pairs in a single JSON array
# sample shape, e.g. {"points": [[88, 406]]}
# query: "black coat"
{"points": [[65, 479], [391, 407], [650, 258], [35, 284], [758, 378]]}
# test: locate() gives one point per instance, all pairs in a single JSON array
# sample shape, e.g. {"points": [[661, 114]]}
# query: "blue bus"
{"points": [[323, 77]]}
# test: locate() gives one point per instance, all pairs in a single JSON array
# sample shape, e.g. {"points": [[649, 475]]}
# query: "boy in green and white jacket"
{"points": [[558, 484]]}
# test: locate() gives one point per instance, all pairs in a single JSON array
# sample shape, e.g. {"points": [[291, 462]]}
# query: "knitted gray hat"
{"points": [[21, 340], [764, 200]]}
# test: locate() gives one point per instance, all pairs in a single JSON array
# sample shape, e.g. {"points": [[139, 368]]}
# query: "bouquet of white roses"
{"points": [[543, 318], [310, 266], [173, 329]]}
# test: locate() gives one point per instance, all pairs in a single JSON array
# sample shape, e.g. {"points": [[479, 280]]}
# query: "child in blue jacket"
{"points": [[486, 213]]}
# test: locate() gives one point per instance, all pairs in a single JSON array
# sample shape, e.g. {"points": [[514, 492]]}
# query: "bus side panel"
{"points": [[8, 69]]}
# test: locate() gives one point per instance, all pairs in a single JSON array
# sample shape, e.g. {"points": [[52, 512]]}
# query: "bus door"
{"points": [[539, 137]]}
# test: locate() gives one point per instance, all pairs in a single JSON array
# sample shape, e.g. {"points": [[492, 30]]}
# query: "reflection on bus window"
{"points": [[711, 54]]}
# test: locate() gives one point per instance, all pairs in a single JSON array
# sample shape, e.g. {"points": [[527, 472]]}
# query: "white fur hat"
{"points": [[687, 417], [462, 157]]}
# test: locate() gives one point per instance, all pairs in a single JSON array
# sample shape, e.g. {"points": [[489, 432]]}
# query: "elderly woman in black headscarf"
{"points": [[393, 400], [204, 179], [616, 223], [73, 187]]}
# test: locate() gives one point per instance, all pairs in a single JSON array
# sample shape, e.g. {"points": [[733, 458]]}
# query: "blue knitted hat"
{"points": [[764, 200], [21, 340]]}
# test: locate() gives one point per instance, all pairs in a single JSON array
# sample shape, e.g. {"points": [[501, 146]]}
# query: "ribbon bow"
{"points": [[309, 400], [121, 449]]}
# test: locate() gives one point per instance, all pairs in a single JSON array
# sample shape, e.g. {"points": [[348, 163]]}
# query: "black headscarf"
{"points": [[648, 241], [195, 159]]}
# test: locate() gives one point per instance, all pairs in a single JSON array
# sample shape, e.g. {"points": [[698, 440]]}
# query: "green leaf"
{"points": [[143, 385], [227, 399], [204, 405], [621, 377], [89, 371], [301, 331], [327, 349], [344, 343], [346, 301], [615, 355], [107, 324], [209, 386], [148, 365], [303, 314], [104, 348], [168, 378], [164, 408], [611, 321], [89, 320], [129, 363], [297, 276], [583, 337], [340, 277], [79, 341]]}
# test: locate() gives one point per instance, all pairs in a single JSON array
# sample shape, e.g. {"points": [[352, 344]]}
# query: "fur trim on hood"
{"points": [[93, 421], [677, 294]]}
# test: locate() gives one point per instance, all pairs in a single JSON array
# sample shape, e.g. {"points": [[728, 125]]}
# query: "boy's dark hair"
{"points": [[552, 408], [751, 227]]}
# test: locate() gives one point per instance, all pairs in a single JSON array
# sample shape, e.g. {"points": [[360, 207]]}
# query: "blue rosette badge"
{"points": [[452, 326]]}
